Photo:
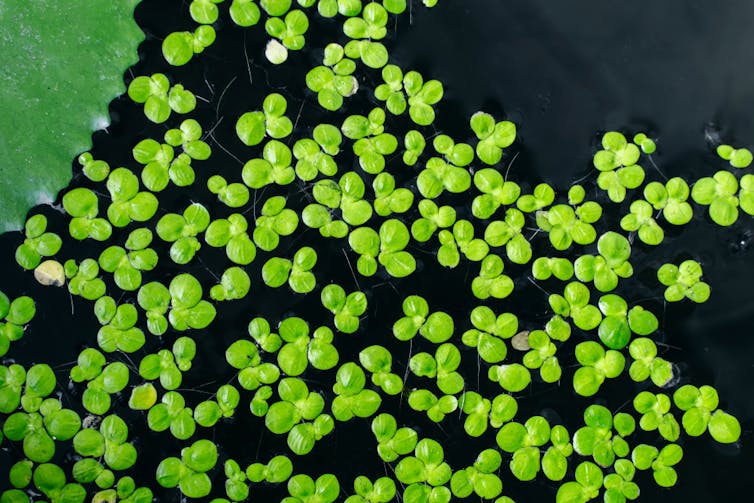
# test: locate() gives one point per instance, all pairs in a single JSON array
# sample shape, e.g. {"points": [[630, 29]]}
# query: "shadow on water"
{"points": [[563, 74]]}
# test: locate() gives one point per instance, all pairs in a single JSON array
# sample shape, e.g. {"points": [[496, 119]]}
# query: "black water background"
{"points": [[562, 73]]}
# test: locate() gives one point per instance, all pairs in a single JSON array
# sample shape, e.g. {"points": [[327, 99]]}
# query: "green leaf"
{"points": [[643, 455], [250, 128], [281, 417], [70, 116], [201, 456], [554, 464], [525, 463], [143, 397], [718, 192], [512, 377], [724, 428]]}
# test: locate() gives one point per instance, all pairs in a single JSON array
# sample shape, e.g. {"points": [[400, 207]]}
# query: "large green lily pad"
{"points": [[62, 63]]}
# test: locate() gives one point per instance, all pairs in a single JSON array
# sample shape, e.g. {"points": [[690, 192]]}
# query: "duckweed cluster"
{"points": [[399, 199]]}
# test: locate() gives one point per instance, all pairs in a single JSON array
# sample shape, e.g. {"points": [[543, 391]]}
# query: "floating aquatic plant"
{"points": [[671, 198], [345, 308], [38, 243], [16, 315], [179, 47], [368, 187], [617, 166], [128, 203], [127, 263], [181, 230], [83, 279], [232, 234], [189, 473], [252, 127], [159, 98], [489, 333], [683, 281], [118, 331], [609, 266], [333, 81], [738, 157], [718, 192]]}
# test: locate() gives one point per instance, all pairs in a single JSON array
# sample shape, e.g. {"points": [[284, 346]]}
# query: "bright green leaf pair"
{"points": [[351, 399], [181, 230], [719, 193], [489, 333], [179, 47], [83, 206], [159, 101], [683, 281], [436, 327], [346, 308], [126, 264], [442, 366], [566, 226], [232, 234], [189, 473], [386, 248], [611, 264], [333, 81], [252, 127], [491, 282], [38, 243], [493, 137]]}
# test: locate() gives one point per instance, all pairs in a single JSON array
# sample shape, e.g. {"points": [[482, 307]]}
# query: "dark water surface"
{"points": [[563, 72], [681, 70]]}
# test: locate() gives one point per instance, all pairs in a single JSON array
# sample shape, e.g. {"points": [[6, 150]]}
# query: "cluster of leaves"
{"points": [[159, 98], [499, 226], [16, 315]]}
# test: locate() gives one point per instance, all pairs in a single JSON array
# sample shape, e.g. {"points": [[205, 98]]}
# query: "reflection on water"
{"points": [[680, 71], [564, 72]]}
